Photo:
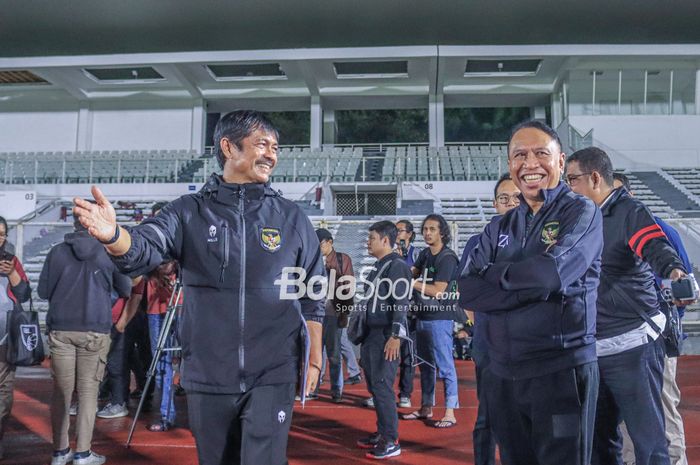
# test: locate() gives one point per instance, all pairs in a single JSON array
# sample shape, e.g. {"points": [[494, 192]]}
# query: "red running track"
{"points": [[320, 433]]}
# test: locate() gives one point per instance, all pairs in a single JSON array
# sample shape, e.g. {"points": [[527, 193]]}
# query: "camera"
{"points": [[403, 248], [5, 255], [684, 289]]}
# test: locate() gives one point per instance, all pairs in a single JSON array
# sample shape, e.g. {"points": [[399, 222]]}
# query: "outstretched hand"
{"points": [[100, 219]]}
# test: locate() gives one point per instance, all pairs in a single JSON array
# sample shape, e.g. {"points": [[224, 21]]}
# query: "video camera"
{"points": [[684, 289]]}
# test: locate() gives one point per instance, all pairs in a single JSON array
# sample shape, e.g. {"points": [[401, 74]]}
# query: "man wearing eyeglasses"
{"points": [[506, 197], [629, 320], [535, 273]]}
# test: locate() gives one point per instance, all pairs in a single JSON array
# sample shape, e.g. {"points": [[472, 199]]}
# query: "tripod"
{"points": [[164, 338]]}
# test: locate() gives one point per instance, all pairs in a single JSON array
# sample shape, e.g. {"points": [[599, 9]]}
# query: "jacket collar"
{"points": [[617, 194], [386, 258], [549, 195], [230, 193]]}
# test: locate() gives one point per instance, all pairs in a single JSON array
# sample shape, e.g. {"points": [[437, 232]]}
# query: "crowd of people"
{"points": [[562, 293]]}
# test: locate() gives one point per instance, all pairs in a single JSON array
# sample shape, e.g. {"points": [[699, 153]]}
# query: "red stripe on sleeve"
{"points": [[641, 232], [646, 239]]}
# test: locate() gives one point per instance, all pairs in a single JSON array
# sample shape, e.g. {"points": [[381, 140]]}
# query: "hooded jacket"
{"points": [[77, 279], [232, 242], [537, 278]]}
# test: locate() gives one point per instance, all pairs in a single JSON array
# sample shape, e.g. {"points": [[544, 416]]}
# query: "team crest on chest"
{"points": [[270, 239], [550, 232]]}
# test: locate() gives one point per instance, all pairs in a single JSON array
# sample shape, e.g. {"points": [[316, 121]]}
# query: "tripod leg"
{"points": [[162, 340]]}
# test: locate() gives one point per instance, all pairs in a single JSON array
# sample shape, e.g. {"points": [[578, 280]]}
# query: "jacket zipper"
{"points": [[241, 290], [224, 262]]}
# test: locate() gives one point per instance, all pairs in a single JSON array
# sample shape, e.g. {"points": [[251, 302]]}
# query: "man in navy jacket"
{"points": [[630, 351], [239, 332], [535, 272]]}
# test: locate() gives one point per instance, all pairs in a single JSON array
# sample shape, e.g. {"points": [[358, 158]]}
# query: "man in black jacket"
{"points": [[387, 298], [630, 352], [77, 279], [240, 330]]}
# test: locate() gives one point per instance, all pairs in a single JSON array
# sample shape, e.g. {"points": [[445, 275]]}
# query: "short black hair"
{"points": [[445, 233], [409, 229], [386, 229], [594, 159], [238, 125], [534, 124], [617, 176], [501, 180]]}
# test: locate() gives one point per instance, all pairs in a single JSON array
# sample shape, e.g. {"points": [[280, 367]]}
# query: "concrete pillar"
{"points": [[697, 92], [199, 126], [316, 122], [436, 120], [329, 127], [556, 110], [83, 139]]}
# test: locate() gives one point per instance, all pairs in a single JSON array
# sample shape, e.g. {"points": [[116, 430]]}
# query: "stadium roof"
{"points": [[32, 28]]}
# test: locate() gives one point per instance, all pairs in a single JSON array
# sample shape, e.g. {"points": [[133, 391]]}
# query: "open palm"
{"points": [[100, 219]]}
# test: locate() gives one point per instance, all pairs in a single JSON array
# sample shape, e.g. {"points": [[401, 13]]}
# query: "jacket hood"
{"points": [[84, 246], [229, 193]]}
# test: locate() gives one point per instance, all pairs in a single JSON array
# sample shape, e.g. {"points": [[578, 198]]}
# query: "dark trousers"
{"points": [[546, 420], [484, 441], [380, 375], [331, 342], [138, 349], [242, 429], [630, 391], [407, 370], [117, 373]]}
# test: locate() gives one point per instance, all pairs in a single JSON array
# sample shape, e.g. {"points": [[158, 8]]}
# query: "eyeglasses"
{"points": [[573, 178], [505, 199]]}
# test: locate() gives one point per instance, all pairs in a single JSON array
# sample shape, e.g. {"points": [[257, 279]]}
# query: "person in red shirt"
{"points": [[157, 291]]}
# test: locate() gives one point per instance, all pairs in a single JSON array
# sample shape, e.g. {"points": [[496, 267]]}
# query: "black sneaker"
{"points": [[337, 398], [384, 450], [357, 379], [370, 442]]}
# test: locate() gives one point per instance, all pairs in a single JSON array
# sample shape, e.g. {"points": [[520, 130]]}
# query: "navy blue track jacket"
{"points": [[232, 242], [634, 246], [537, 278]]}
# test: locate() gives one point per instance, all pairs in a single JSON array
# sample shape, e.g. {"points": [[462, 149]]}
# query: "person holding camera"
{"points": [[629, 320], [409, 252], [14, 290], [671, 393]]}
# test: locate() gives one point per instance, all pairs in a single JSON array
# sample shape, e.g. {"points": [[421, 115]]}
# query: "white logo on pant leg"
{"points": [[281, 416]]}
